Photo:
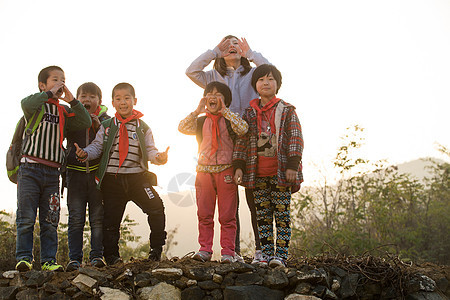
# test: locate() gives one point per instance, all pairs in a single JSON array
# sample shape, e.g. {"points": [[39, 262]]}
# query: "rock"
{"points": [[421, 283], [10, 274], [208, 285], [193, 293], [191, 282], [200, 274], [276, 279], [85, 283], [425, 296], [251, 292], [101, 277], [349, 285], [8, 293], [228, 280], [28, 294], [113, 294], [162, 291], [72, 291], [59, 296], [303, 288], [319, 291], [80, 296], [235, 267], [167, 273], [248, 279], [217, 278], [313, 276], [37, 278], [51, 288], [217, 294], [142, 279], [300, 297], [336, 285], [338, 271], [4, 282]]}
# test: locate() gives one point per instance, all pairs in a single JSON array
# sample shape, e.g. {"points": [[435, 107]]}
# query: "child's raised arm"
{"points": [[189, 124]]}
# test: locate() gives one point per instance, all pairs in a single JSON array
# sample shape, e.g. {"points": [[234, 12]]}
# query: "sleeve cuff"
{"points": [[239, 164], [49, 94], [74, 102], [293, 162]]}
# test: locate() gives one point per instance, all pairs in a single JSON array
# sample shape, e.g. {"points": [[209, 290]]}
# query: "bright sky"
{"points": [[384, 65]]}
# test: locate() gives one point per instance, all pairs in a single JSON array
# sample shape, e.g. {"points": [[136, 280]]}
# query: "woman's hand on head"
{"points": [[223, 47], [244, 47]]}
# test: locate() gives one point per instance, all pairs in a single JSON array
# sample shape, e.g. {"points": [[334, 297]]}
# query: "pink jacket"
{"points": [[224, 153]]}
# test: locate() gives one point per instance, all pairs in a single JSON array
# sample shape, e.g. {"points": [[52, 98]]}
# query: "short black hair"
{"points": [[45, 73], [124, 86], [91, 88], [221, 88], [264, 70]]}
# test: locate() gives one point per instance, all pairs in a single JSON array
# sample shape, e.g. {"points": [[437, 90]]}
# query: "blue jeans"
{"points": [[82, 192], [37, 188]]}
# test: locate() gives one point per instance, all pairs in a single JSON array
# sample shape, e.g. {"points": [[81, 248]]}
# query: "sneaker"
{"points": [[73, 265], [238, 258], [52, 266], [277, 262], [258, 257], [24, 265], [155, 254], [202, 256], [98, 262], [263, 262], [113, 260], [227, 259]]}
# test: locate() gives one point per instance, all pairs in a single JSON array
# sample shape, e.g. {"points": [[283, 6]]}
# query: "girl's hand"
{"points": [[238, 174], [243, 46], [223, 47], [80, 153], [291, 175], [68, 97], [223, 106], [162, 157], [201, 108]]}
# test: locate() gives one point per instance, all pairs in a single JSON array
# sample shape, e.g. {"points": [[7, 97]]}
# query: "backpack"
{"points": [[14, 153]]}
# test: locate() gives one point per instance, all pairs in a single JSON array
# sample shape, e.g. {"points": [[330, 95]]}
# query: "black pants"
{"points": [[117, 190], [251, 206]]}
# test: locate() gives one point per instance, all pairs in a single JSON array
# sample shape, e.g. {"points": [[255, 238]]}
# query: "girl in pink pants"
{"points": [[215, 132]]}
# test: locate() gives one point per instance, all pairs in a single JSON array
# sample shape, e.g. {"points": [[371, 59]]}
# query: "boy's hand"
{"points": [[57, 89], [68, 97], [201, 108], [80, 153], [244, 47], [238, 174], [162, 157], [290, 175], [223, 47], [95, 121]]}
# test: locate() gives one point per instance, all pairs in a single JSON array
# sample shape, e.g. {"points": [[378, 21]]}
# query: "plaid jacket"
{"points": [[290, 146]]}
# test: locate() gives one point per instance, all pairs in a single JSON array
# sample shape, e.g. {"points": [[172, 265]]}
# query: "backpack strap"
{"points": [[33, 123]]}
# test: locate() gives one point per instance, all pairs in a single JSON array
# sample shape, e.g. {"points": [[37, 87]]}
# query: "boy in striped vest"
{"points": [[42, 158], [125, 144]]}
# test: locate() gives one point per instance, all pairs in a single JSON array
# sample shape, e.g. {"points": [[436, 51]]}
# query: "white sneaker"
{"points": [[277, 262], [238, 258], [258, 258]]}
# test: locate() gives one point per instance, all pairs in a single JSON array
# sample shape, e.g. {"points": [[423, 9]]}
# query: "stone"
{"points": [[10, 274], [101, 277], [200, 274], [80, 296], [28, 294], [193, 293], [72, 291], [303, 288], [421, 283], [248, 279], [84, 283], [4, 282], [300, 297], [113, 294], [425, 296], [217, 294], [336, 285], [51, 288], [319, 291], [142, 279], [217, 278], [8, 293], [251, 292], [208, 285], [349, 285], [235, 267], [191, 282], [338, 271], [162, 291], [59, 296], [167, 273], [313, 276], [37, 278], [276, 279]]}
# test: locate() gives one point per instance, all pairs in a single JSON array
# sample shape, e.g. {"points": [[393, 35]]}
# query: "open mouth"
{"points": [[213, 104], [87, 106]]}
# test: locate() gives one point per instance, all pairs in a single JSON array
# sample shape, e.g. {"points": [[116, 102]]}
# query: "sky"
{"points": [[384, 65]]}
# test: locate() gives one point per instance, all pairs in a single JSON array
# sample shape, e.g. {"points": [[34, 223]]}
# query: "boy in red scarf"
{"points": [[127, 145], [268, 160], [215, 133], [43, 155]]}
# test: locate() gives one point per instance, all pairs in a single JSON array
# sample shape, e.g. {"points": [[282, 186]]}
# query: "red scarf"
{"points": [[62, 113], [214, 131], [123, 134], [261, 110]]}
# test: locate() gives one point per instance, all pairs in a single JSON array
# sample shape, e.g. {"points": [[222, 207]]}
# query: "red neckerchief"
{"points": [[123, 134], [61, 112], [214, 131], [261, 110]]}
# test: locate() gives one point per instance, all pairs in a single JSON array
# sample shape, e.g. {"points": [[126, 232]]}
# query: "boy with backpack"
{"points": [[39, 170], [215, 133]]}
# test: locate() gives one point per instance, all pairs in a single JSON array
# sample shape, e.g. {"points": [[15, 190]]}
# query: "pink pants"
{"points": [[208, 186]]}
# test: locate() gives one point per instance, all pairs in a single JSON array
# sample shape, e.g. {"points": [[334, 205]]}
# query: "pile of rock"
{"points": [[187, 279]]}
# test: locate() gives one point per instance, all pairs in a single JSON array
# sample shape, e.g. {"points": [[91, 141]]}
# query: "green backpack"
{"points": [[14, 153]]}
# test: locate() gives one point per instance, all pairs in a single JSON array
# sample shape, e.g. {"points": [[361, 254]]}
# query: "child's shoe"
{"points": [[277, 262], [73, 265], [258, 257], [238, 258], [24, 265], [113, 260], [227, 259], [202, 256], [52, 266], [155, 254], [98, 262]]}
